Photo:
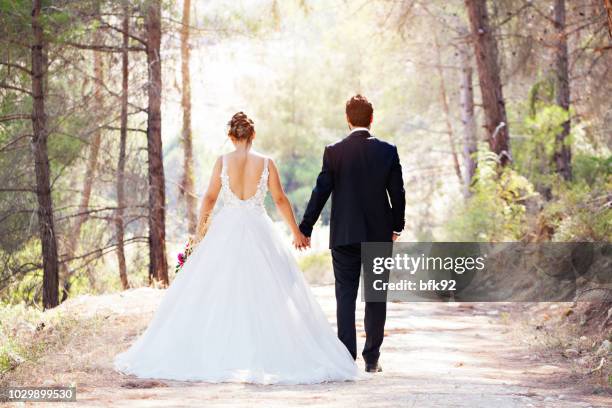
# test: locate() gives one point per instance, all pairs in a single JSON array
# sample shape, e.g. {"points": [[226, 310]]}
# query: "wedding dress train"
{"points": [[240, 310]]}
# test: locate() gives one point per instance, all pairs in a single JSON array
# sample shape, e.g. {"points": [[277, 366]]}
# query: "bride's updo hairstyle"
{"points": [[241, 127]]}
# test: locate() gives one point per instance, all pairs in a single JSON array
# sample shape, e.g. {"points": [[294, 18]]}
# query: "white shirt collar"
{"points": [[359, 129]]}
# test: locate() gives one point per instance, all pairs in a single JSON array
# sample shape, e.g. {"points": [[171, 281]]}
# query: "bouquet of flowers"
{"points": [[182, 256], [191, 243]]}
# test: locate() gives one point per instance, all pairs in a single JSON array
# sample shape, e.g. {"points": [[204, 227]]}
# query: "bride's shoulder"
{"points": [[219, 163], [263, 157]]}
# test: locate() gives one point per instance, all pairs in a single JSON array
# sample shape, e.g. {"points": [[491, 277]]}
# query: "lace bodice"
{"points": [[256, 201]]}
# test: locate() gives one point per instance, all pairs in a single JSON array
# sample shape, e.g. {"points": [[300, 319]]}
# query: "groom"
{"points": [[364, 176]]}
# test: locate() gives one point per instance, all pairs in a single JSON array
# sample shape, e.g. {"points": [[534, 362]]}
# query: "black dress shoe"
{"points": [[373, 368]]}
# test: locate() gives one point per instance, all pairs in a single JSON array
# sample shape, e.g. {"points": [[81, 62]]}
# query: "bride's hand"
{"points": [[300, 241]]}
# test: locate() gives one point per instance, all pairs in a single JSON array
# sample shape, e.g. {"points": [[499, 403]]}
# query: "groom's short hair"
{"points": [[359, 111]]}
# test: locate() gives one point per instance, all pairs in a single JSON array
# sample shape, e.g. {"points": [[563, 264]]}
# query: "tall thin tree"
{"points": [[608, 6], [187, 182], [468, 120], [41, 160], [485, 50], [158, 263], [119, 222], [563, 154], [445, 107]]}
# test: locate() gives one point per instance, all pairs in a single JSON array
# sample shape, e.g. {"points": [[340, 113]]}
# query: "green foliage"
{"points": [[316, 267], [496, 210], [541, 93], [580, 212], [533, 151], [25, 289], [575, 210], [22, 272], [591, 169]]}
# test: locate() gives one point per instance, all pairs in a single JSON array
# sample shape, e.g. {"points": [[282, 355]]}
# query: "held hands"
{"points": [[300, 241]]}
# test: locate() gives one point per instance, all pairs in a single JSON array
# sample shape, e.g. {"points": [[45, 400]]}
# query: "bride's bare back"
{"points": [[244, 171]]}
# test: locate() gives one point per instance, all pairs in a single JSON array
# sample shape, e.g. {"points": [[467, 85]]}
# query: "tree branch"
{"points": [[16, 190], [102, 48], [15, 88], [15, 116], [120, 30], [128, 129], [16, 66], [14, 141]]}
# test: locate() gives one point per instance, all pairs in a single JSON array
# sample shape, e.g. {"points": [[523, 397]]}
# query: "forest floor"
{"points": [[434, 355]]}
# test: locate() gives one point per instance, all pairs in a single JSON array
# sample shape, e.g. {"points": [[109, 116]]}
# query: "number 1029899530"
{"points": [[37, 394]]}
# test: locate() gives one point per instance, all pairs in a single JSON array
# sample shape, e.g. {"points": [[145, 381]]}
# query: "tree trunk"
{"points": [[92, 163], [187, 183], [41, 163], [608, 5], [119, 224], [447, 114], [563, 154], [485, 50], [158, 264], [468, 119]]}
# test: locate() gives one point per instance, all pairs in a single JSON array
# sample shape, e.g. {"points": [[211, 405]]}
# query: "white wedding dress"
{"points": [[240, 310]]}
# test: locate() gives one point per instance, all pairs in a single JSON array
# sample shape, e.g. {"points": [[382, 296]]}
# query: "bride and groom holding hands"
{"points": [[240, 310]]}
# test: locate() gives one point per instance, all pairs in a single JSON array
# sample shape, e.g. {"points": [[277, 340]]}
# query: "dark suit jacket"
{"points": [[364, 176]]}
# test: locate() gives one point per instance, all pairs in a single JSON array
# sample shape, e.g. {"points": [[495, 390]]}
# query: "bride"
{"points": [[240, 310]]}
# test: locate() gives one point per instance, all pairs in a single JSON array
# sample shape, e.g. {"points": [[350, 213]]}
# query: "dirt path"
{"points": [[434, 355]]}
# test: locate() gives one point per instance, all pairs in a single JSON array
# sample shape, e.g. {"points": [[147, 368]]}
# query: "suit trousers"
{"points": [[347, 268]]}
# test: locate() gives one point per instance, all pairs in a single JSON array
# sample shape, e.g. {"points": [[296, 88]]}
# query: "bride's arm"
{"points": [[284, 206], [209, 200]]}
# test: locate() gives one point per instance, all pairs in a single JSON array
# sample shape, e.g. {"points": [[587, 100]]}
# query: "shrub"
{"points": [[496, 210], [317, 267]]}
